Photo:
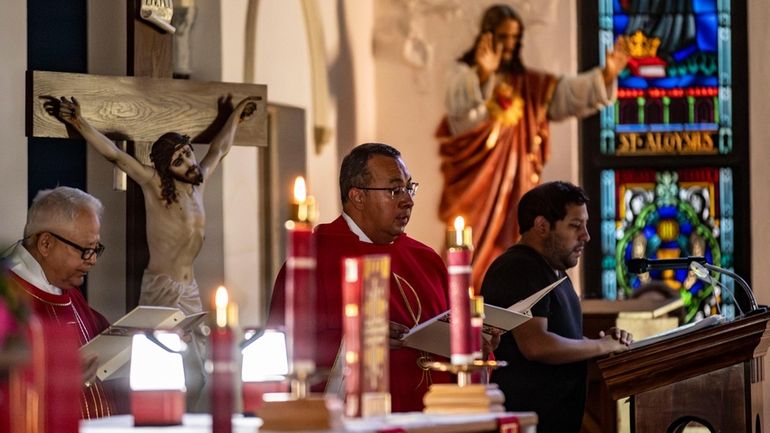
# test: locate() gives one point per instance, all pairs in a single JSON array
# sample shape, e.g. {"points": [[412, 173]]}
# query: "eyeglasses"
{"points": [[398, 191], [85, 253]]}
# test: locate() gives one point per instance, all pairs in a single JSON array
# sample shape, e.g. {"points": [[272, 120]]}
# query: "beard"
{"points": [[512, 64], [193, 176], [558, 256]]}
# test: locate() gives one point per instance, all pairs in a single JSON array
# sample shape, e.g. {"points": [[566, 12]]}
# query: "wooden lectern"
{"points": [[713, 376], [641, 317]]}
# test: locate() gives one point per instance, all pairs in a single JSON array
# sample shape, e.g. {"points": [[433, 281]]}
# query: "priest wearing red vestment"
{"points": [[60, 245], [377, 198]]}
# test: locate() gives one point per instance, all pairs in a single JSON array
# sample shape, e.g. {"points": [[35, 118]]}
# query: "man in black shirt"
{"points": [[547, 355]]}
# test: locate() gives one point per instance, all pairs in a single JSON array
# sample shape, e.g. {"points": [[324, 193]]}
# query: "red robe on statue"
{"points": [[489, 167], [419, 293], [71, 309]]}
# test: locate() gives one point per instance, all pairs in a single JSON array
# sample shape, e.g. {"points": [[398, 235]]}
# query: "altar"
{"points": [[413, 422]]}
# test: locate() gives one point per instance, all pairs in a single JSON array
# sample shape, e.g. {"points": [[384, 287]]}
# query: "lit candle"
{"points": [[300, 281], [459, 268], [222, 347], [459, 235], [302, 208], [221, 301]]}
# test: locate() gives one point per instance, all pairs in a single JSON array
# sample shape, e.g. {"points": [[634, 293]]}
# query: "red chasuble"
{"points": [[418, 292], [71, 309]]}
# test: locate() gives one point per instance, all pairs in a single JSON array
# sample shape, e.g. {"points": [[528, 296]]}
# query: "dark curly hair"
{"points": [[162, 152], [493, 17]]}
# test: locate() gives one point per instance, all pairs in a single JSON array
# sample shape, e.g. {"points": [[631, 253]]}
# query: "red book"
{"points": [[365, 294]]}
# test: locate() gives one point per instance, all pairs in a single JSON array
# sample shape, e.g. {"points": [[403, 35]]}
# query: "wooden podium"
{"points": [[641, 317], [713, 376]]}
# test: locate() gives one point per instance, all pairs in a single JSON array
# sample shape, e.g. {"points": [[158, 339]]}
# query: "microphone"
{"points": [[642, 265], [701, 271]]}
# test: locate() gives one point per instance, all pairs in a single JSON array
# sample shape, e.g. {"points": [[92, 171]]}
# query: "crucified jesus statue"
{"points": [[173, 197]]}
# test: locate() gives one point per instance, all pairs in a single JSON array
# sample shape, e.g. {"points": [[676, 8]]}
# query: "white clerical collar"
{"points": [[356, 229], [24, 265]]}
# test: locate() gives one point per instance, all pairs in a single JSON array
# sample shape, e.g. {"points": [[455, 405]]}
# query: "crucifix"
{"points": [[141, 108]]}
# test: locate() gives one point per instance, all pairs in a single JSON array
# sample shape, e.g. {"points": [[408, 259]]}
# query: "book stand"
{"points": [[300, 409]]}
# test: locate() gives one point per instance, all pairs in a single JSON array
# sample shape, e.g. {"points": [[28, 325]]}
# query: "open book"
{"points": [[433, 335], [682, 330], [113, 345]]}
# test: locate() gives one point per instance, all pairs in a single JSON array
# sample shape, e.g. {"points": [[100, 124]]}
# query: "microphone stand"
{"points": [[699, 268]]}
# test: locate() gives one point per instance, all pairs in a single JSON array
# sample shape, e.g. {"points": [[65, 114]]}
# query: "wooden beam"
{"points": [[150, 50], [142, 108]]}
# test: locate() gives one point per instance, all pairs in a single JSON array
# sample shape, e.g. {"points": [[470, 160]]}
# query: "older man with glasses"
{"points": [[377, 194], [59, 248]]}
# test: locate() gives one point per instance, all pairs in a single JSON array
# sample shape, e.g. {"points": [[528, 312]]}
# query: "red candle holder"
{"points": [[157, 379], [223, 367], [300, 297], [458, 258], [222, 389], [158, 407], [300, 410]]}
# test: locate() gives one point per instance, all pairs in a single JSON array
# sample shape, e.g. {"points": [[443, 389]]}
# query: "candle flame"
{"points": [[459, 224], [221, 299], [300, 190]]}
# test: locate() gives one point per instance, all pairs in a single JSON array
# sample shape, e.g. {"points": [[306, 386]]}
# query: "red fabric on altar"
{"points": [[415, 264]]}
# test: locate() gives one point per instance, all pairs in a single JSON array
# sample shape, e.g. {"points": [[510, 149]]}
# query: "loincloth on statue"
{"points": [[162, 291]]}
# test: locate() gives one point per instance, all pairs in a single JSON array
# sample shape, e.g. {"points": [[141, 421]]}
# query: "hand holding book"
{"points": [[433, 335]]}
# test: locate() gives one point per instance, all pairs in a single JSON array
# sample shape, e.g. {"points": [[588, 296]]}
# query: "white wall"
{"points": [[107, 56], [281, 62], [13, 143], [759, 130]]}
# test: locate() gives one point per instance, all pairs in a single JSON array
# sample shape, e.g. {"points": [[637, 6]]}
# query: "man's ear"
{"points": [[356, 198], [541, 225], [44, 243]]}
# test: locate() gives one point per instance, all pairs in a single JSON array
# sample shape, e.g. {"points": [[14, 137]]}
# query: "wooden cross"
{"points": [[139, 109]]}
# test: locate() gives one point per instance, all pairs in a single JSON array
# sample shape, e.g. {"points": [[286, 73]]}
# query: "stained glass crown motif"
{"points": [[640, 45]]}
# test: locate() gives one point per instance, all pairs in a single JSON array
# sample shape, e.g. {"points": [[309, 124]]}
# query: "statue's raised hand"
{"points": [[615, 60], [488, 55]]}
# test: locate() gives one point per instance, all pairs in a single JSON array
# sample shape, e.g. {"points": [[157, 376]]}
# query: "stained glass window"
{"points": [[665, 153], [674, 96], [663, 214]]}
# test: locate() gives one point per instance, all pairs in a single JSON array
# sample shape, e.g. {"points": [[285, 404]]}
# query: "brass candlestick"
{"points": [[464, 396]]}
